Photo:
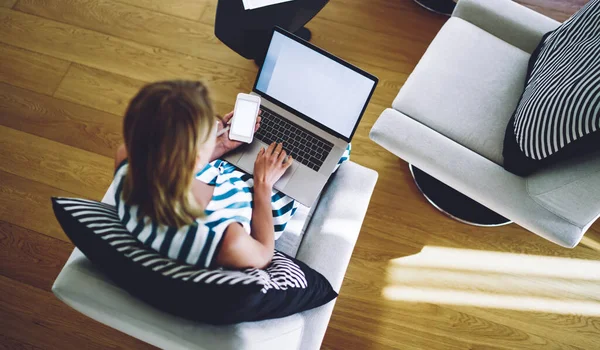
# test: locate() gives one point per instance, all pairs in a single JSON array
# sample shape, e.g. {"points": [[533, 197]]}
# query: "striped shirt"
{"points": [[198, 243]]}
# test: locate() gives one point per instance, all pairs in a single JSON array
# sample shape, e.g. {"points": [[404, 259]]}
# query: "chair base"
{"points": [[455, 204], [442, 7]]}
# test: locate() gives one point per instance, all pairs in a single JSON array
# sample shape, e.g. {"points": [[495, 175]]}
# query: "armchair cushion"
{"points": [[214, 296], [466, 87], [558, 116]]}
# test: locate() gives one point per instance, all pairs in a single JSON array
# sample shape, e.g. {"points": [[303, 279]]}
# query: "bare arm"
{"points": [[239, 250], [262, 217]]}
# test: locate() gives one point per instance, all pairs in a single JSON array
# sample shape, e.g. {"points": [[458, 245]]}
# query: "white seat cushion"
{"points": [[290, 240], [466, 87], [82, 286]]}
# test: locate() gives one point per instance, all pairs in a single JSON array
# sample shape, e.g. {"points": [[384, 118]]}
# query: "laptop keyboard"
{"points": [[304, 146]]}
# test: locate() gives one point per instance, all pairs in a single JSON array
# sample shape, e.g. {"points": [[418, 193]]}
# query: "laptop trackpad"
{"points": [[249, 157], [282, 182]]}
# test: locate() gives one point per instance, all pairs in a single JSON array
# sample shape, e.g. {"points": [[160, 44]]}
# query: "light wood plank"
{"points": [[119, 56], [31, 258], [37, 317], [396, 325], [98, 89], [27, 204], [139, 25], [107, 91], [578, 331], [7, 3], [63, 167], [31, 70], [191, 9], [348, 42], [401, 18], [60, 121], [384, 328]]}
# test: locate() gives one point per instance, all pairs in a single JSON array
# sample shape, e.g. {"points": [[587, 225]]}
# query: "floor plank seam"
{"points": [[61, 80], [199, 19], [68, 101], [161, 12], [39, 233]]}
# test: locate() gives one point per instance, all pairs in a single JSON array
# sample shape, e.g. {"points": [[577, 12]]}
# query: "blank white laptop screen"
{"points": [[314, 84]]}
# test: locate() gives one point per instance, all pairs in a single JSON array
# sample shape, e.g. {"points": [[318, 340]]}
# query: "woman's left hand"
{"points": [[224, 144]]}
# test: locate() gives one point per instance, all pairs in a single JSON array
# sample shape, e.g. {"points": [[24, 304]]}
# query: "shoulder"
{"points": [[120, 157]]}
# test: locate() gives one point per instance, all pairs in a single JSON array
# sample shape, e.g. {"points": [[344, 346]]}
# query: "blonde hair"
{"points": [[163, 127]]}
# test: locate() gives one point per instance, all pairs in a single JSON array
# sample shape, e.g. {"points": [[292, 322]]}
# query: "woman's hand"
{"points": [[224, 144], [270, 165]]}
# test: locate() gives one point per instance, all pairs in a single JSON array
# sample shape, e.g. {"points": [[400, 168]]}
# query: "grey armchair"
{"points": [[450, 117]]}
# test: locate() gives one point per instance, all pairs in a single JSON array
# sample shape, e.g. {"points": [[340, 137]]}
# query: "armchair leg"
{"points": [[453, 203]]}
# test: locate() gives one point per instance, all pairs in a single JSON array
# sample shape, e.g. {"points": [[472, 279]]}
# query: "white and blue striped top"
{"points": [[198, 243]]}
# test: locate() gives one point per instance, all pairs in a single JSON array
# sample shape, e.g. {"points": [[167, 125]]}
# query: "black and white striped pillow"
{"points": [[216, 296], [560, 108]]}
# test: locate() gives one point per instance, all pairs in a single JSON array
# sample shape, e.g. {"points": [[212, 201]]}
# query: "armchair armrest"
{"points": [[570, 189], [331, 235], [473, 175], [507, 20]]}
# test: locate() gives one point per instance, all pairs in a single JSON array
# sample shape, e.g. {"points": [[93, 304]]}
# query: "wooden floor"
{"points": [[417, 280]]}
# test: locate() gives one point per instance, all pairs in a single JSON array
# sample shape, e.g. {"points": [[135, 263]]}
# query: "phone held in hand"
{"points": [[244, 117]]}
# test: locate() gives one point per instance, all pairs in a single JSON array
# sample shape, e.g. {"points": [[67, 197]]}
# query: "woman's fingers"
{"points": [[227, 117], [278, 149], [271, 148], [257, 124], [281, 157], [288, 162]]}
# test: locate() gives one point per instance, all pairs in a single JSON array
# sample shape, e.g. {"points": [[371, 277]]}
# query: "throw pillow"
{"points": [[215, 296], [558, 116]]}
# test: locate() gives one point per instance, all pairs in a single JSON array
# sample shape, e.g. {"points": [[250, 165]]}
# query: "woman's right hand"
{"points": [[270, 165]]}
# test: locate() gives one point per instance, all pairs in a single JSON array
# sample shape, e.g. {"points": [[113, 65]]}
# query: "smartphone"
{"points": [[244, 117]]}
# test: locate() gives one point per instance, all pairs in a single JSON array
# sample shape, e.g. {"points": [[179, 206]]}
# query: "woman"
{"points": [[167, 186]]}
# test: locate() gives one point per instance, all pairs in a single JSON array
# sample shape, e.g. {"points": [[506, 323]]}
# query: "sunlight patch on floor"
{"points": [[507, 263], [477, 278]]}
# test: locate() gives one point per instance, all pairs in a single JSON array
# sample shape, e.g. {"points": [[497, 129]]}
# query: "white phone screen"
{"points": [[243, 119]]}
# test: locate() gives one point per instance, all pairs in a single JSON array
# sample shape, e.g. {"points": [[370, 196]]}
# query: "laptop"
{"points": [[312, 102]]}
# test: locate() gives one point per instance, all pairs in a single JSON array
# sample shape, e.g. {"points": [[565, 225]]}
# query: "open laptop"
{"points": [[312, 102]]}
